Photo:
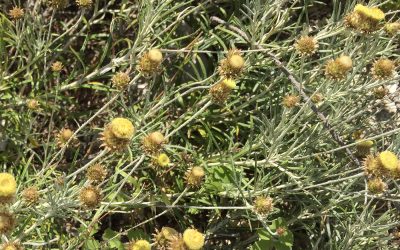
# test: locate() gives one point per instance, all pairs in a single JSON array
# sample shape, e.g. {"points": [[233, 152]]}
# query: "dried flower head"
{"points": [[84, 3], [383, 69], [7, 222], [376, 185], [194, 176], [64, 136], [387, 161], [30, 195], [150, 62], [380, 92], [263, 205], [317, 98], [8, 187], [153, 142], [163, 237], [220, 91], [96, 173], [177, 243], [90, 196], [371, 166], [139, 245], [57, 66], [16, 13], [280, 231], [306, 45], [338, 68], [364, 147], [162, 160], [290, 101], [58, 4], [11, 246], [32, 104], [194, 240], [120, 80], [392, 28], [117, 134], [233, 65]]}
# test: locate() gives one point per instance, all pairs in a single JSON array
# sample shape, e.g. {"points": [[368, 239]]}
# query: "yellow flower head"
{"points": [[373, 13], [194, 240], [392, 28], [8, 186], [140, 245], [153, 142], [162, 160], [229, 83], [233, 65], [388, 160], [122, 128], [11, 246], [155, 55], [263, 205], [194, 176]]}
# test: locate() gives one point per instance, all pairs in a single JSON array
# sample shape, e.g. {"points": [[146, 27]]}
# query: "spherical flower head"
{"points": [[32, 104], [120, 80], [364, 147], [220, 91], [371, 13], [64, 136], [162, 160], [317, 98], [155, 56], [57, 66], [122, 128], [140, 245], [168, 232], [153, 142], [96, 173], [11, 246], [376, 186], [150, 62], [229, 83], [194, 240], [383, 69], [236, 61], [380, 92], [388, 161], [263, 205], [371, 166], [233, 65], [84, 3], [337, 69], [163, 238], [7, 222], [8, 187], [392, 28], [90, 196], [306, 45], [345, 62], [194, 176], [30, 195], [16, 13], [290, 101]]}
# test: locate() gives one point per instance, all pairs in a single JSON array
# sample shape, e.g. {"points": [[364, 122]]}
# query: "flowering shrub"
{"points": [[172, 124]]}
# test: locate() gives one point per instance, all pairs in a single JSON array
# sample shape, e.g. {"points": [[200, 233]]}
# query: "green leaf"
{"points": [[113, 239], [270, 242], [91, 244]]}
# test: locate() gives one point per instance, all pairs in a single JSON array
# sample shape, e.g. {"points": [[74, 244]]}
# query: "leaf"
{"points": [[113, 239], [279, 242], [91, 244]]}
